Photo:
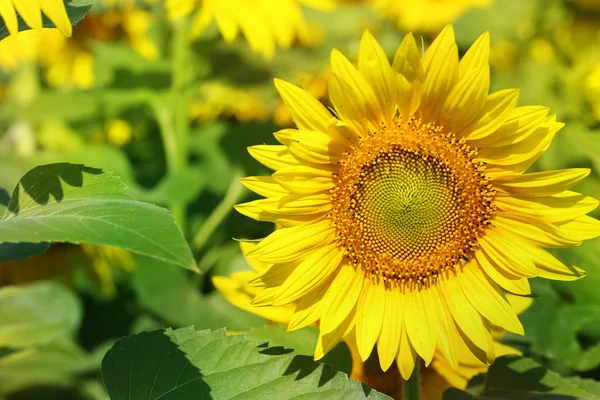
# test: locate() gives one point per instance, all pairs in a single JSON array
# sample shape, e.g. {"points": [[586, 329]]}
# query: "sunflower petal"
{"points": [[342, 297], [294, 243], [391, 329], [57, 13], [307, 112], [369, 318], [315, 270], [374, 66]]}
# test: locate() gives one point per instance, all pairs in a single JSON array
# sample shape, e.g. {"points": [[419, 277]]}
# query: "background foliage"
{"points": [[161, 122]]}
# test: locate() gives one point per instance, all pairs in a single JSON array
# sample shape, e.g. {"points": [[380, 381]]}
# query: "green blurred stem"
{"points": [[173, 117], [412, 387], [234, 194]]}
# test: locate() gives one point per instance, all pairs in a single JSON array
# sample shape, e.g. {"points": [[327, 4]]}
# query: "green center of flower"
{"points": [[411, 202]]}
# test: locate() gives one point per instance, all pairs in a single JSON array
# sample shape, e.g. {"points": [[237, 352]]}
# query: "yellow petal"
{"points": [[418, 325], [273, 156], [369, 318], [316, 270], [264, 185], [477, 56], [540, 184], [308, 311], [466, 99], [391, 329], [341, 297], [509, 282], [351, 95], [407, 60], [9, 15], [466, 317], [30, 11], [407, 63], [440, 62], [560, 207], [407, 356], [312, 146], [327, 341], [57, 13], [274, 275], [234, 291], [494, 113], [580, 228], [521, 123], [487, 298], [500, 250], [293, 206], [304, 179], [521, 151], [535, 230], [247, 247], [294, 243], [442, 324], [375, 68], [307, 112]]}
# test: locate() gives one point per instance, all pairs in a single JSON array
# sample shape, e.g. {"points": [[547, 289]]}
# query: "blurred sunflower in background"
{"points": [[75, 66], [31, 12], [265, 24], [412, 197], [426, 15]]}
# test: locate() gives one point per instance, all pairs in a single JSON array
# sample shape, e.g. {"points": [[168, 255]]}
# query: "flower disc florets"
{"points": [[411, 202]]}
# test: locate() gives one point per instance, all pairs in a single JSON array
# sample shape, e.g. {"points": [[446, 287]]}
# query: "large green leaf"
{"points": [[77, 204], [76, 9], [514, 377], [189, 364], [37, 313], [304, 341], [175, 297], [559, 341], [57, 364]]}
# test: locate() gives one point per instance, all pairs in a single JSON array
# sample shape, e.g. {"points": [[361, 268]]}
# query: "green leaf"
{"points": [[175, 297], [77, 204], [76, 9], [304, 341], [559, 341], [56, 364], [189, 364], [37, 313], [21, 251], [514, 377]]}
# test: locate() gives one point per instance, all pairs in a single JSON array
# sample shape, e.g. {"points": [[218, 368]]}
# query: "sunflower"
{"points": [[31, 12], [69, 62], [440, 376], [407, 216], [426, 15], [265, 24]]}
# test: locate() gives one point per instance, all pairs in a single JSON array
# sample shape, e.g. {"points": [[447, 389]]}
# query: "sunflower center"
{"points": [[411, 202]]}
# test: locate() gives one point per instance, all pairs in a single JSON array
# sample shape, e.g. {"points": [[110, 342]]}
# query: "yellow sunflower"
{"points": [[406, 217], [265, 24], [426, 15], [31, 12], [241, 288]]}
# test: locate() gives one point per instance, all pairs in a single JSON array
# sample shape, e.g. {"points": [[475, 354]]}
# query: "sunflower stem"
{"points": [[218, 214], [412, 387]]}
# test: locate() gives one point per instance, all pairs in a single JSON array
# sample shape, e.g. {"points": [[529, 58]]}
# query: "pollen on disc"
{"points": [[411, 202]]}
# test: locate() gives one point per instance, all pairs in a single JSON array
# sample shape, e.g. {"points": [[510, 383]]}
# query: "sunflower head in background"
{"points": [[31, 12], [406, 217], [265, 24]]}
